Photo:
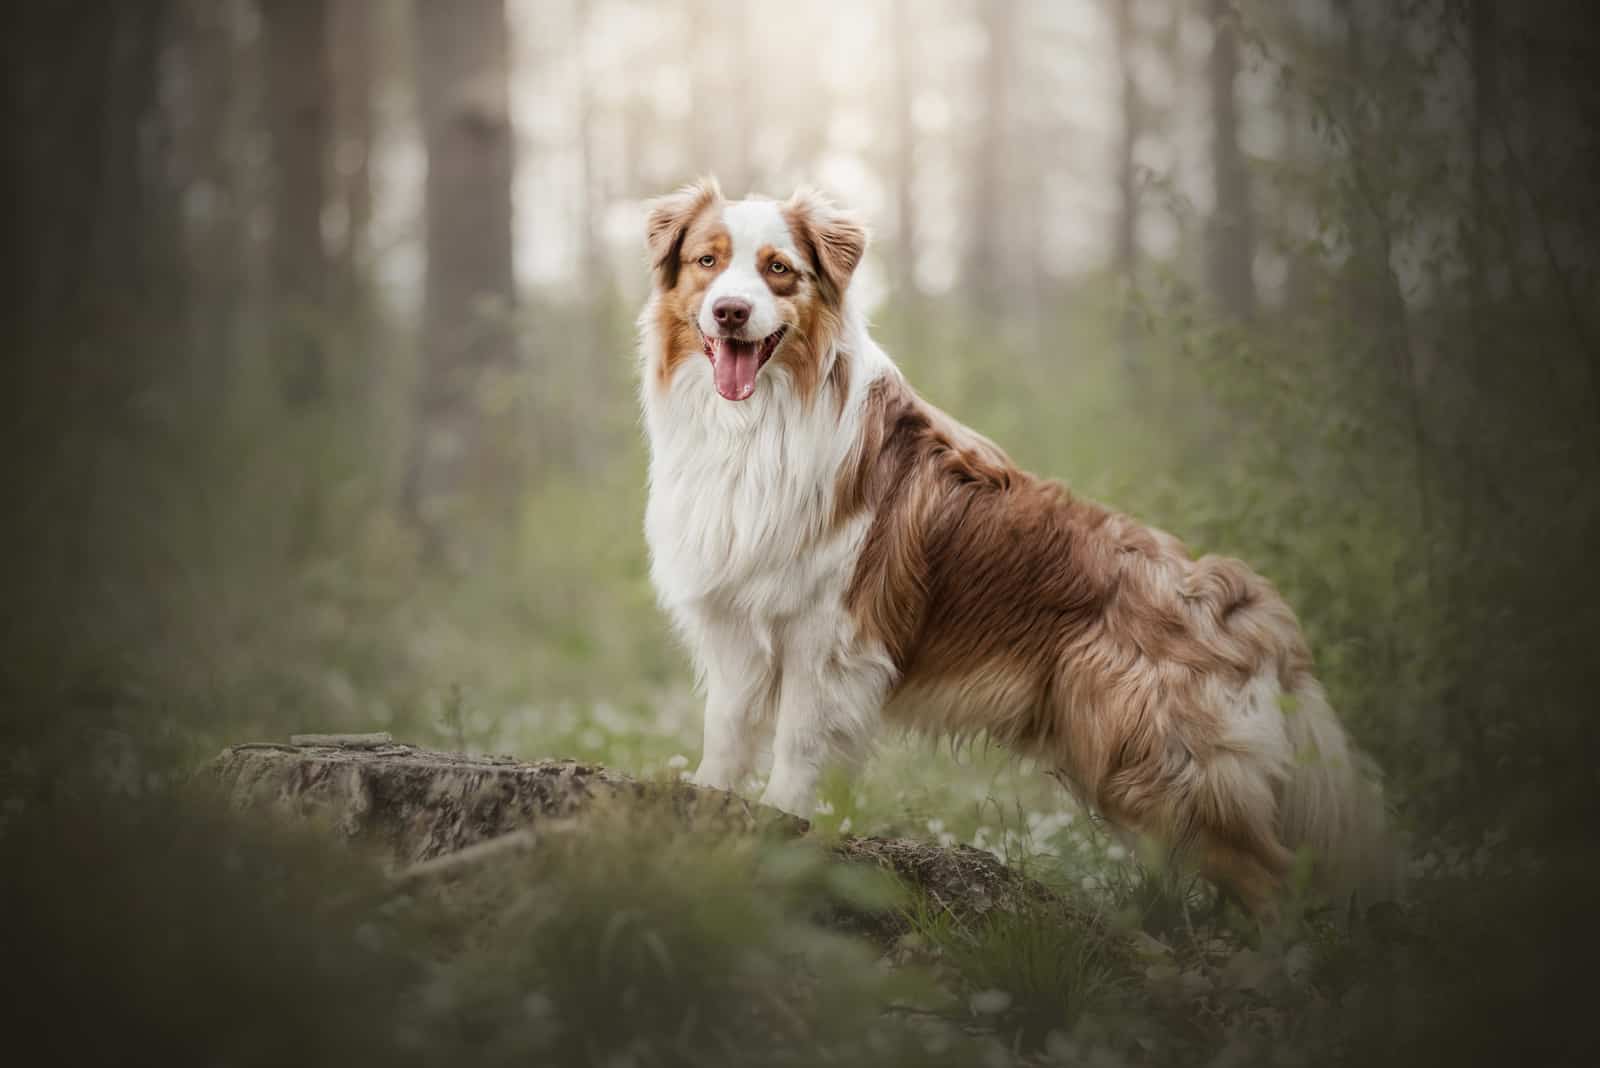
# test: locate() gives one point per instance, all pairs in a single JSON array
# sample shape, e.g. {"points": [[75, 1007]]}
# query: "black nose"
{"points": [[731, 312]]}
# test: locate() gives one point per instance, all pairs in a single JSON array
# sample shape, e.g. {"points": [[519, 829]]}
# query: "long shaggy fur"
{"points": [[839, 555]]}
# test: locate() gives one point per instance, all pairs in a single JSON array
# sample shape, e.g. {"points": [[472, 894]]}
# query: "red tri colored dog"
{"points": [[840, 555]]}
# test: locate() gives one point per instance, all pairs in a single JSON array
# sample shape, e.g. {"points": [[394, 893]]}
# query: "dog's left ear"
{"points": [[669, 220], [834, 239]]}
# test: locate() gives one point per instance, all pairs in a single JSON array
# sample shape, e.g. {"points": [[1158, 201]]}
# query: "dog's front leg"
{"points": [[827, 710], [741, 690]]}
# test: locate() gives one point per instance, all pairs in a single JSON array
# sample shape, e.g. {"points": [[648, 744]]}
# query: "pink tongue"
{"points": [[735, 363]]}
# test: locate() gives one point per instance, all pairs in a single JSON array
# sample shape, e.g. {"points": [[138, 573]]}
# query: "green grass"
{"points": [[1031, 972]]}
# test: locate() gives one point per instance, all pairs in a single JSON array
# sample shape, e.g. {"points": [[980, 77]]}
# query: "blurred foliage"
{"points": [[1403, 440]]}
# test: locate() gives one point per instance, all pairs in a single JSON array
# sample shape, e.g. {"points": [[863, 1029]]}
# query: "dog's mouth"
{"points": [[735, 362]]}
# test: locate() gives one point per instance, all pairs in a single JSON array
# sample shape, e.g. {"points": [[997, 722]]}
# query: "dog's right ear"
{"points": [[669, 220]]}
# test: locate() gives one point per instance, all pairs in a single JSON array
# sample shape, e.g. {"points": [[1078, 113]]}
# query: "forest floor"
{"points": [[190, 921], [970, 955]]}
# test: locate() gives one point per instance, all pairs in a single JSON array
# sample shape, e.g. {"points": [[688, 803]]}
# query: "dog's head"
{"points": [[746, 282]]}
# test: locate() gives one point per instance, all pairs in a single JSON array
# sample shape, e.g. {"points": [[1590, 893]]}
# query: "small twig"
{"points": [[515, 842]]}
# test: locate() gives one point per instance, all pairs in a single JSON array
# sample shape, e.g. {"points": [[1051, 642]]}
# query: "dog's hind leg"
{"points": [[1251, 874]]}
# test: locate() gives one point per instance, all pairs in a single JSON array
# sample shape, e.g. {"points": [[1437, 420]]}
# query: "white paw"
{"points": [[794, 803], [713, 778]]}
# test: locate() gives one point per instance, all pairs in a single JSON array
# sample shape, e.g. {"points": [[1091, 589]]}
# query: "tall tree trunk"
{"points": [[986, 258], [95, 219], [94, 225], [354, 41], [593, 279], [578, 433], [1373, 289], [1125, 238], [298, 95], [209, 144], [904, 167], [468, 339], [1232, 245]]}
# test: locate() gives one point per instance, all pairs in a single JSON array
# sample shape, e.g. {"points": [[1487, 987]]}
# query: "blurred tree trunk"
{"points": [[1232, 245], [354, 41], [902, 33], [96, 210], [1125, 237], [469, 350], [211, 74], [986, 240], [1372, 287], [578, 423], [593, 277], [1374, 290], [298, 95], [100, 290]]}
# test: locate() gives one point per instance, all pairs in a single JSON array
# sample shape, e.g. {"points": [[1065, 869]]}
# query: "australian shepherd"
{"points": [[839, 554]]}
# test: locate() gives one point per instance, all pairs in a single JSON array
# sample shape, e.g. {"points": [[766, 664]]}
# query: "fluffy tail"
{"points": [[1333, 806]]}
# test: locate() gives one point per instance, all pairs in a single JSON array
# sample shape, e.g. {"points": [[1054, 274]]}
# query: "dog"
{"points": [[839, 555]]}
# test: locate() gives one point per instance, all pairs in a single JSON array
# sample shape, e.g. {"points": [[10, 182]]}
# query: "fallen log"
{"points": [[428, 812]]}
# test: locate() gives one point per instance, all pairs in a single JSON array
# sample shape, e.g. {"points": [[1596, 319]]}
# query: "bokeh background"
{"points": [[320, 409]]}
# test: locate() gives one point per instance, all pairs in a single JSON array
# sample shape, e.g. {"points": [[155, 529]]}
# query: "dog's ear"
{"points": [[669, 220], [835, 240]]}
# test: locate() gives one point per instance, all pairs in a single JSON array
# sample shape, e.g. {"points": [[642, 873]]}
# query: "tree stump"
{"points": [[418, 807]]}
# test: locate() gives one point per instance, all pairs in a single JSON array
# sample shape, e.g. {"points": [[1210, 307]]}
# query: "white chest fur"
{"points": [[740, 513], [747, 557]]}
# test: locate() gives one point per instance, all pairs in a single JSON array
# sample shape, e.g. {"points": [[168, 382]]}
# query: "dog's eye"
{"points": [[777, 268], [708, 261]]}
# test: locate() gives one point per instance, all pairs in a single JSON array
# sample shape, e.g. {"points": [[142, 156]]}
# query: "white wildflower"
{"points": [[1059, 1047], [990, 1002], [995, 1054]]}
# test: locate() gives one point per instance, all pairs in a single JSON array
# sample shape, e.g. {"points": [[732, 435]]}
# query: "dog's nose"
{"points": [[731, 312]]}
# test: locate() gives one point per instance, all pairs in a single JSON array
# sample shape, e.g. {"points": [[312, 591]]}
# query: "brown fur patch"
{"points": [[813, 333], [1087, 639], [683, 228]]}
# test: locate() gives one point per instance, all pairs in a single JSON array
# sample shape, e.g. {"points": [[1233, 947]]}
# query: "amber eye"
{"points": [[708, 261], [777, 267]]}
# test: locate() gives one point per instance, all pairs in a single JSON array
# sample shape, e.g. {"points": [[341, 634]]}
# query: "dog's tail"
{"points": [[1333, 807]]}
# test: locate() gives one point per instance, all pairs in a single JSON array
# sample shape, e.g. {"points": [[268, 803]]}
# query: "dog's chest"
{"points": [[740, 518]]}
